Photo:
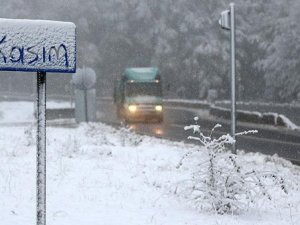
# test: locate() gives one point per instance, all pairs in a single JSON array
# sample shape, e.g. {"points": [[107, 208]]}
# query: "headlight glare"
{"points": [[158, 108], [132, 108]]}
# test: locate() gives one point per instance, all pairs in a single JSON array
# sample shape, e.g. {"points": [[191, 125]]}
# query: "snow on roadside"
{"points": [[23, 111], [100, 175], [16, 112], [92, 179]]}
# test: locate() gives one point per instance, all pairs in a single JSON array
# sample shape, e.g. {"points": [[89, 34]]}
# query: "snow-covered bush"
{"points": [[70, 147], [129, 138], [29, 135], [95, 131], [222, 182]]}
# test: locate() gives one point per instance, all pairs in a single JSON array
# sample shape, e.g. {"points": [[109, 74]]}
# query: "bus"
{"points": [[138, 95]]}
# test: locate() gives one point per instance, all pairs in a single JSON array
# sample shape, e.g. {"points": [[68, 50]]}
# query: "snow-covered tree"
{"points": [[184, 40]]}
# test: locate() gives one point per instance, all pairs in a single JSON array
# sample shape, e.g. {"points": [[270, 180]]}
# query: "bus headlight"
{"points": [[132, 108], [158, 108]]}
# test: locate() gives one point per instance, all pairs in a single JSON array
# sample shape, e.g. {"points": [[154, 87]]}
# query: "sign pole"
{"points": [[227, 22], [85, 106], [41, 148], [233, 82]]}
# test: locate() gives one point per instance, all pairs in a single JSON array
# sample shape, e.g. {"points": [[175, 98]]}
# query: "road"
{"points": [[269, 140]]}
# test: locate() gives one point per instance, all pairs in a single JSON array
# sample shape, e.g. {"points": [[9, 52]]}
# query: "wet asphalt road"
{"points": [[269, 140]]}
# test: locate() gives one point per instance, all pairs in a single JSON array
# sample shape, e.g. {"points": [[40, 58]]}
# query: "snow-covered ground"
{"points": [[100, 175]]}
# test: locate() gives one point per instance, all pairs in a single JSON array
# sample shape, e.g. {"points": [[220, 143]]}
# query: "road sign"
{"points": [[37, 45], [224, 20], [84, 79], [40, 46]]}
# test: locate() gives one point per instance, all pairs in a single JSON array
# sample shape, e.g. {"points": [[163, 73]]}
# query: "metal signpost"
{"points": [[227, 22], [38, 46], [41, 148]]}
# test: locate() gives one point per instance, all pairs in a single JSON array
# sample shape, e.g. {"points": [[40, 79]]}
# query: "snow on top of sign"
{"points": [[143, 69], [37, 45], [38, 22]]}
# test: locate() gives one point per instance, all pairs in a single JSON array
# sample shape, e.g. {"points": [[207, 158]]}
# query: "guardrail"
{"points": [[63, 113], [274, 119], [4, 96], [290, 110], [187, 103], [268, 118]]}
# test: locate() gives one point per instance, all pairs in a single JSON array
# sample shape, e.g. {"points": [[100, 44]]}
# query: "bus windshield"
{"points": [[143, 89]]}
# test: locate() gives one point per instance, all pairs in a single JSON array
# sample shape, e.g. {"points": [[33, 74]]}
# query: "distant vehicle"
{"points": [[138, 95]]}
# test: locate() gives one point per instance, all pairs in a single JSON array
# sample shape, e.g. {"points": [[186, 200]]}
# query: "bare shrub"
{"points": [[222, 182]]}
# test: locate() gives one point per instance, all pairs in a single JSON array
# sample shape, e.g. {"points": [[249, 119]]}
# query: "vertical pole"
{"points": [[85, 105], [233, 101], [41, 148]]}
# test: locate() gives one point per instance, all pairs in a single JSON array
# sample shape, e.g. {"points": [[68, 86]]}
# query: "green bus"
{"points": [[138, 95]]}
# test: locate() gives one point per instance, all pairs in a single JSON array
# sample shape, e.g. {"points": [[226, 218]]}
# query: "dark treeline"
{"points": [[182, 38]]}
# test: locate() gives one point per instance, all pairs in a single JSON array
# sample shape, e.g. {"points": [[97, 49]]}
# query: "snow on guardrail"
{"points": [[269, 118]]}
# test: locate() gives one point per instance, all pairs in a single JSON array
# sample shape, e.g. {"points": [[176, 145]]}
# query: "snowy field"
{"points": [[100, 175]]}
